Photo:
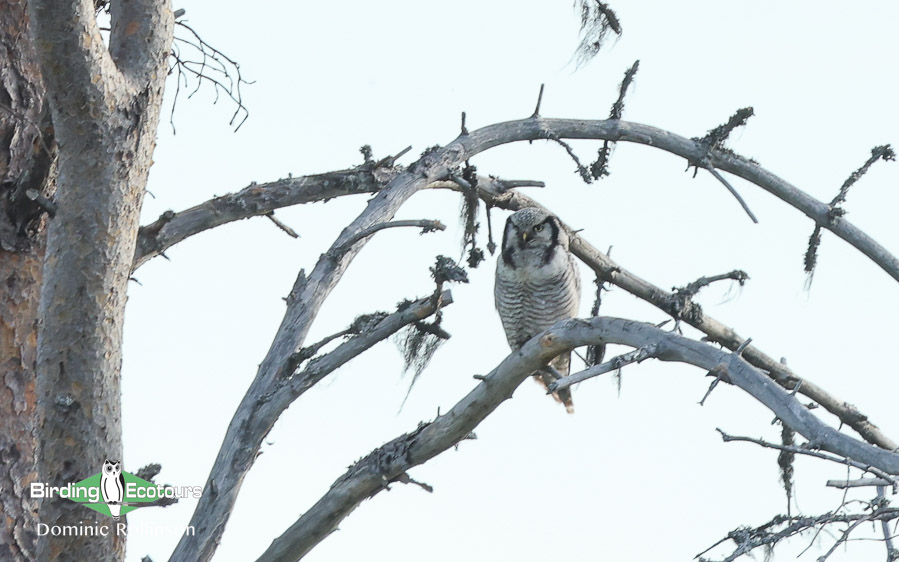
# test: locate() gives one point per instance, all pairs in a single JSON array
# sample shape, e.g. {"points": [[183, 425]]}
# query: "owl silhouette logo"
{"points": [[114, 492], [112, 486]]}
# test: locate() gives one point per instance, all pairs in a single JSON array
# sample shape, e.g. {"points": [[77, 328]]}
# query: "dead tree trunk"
{"points": [[105, 109], [27, 180]]}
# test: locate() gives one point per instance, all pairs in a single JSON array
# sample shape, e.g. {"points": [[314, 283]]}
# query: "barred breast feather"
{"points": [[537, 286], [528, 305]]}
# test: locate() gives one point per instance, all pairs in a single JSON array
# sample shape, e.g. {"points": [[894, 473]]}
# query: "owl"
{"points": [[112, 485], [537, 284]]}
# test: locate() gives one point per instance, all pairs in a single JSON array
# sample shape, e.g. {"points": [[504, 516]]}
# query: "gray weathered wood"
{"points": [[257, 414], [254, 200], [389, 462], [105, 111], [529, 129], [716, 331]]}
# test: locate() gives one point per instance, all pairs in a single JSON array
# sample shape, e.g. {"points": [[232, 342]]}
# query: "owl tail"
{"points": [[562, 364]]}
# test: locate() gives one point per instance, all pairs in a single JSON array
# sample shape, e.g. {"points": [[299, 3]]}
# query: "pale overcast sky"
{"points": [[636, 475]]}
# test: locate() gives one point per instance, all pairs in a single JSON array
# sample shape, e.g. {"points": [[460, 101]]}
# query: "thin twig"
{"points": [[858, 483], [635, 356], [618, 107], [213, 67], [536, 113], [691, 289], [406, 479], [491, 245], [748, 539], [581, 169], [720, 373], [389, 161], [505, 185], [885, 526], [805, 450], [290, 232], [835, 210], [733, 192], [462, 182], [884, 152], [425, 224], [600, 167], [845, 535], [715, 138]]}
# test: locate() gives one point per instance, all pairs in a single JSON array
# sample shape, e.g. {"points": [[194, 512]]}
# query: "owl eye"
{"points": [[538, 228]]}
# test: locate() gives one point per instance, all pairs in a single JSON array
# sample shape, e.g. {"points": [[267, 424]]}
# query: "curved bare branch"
{"points": [[390, 462], [309, 293], [303, 304], [162, 235], [530, 129], [248, 428], [609, 270], [254, 200], [614, 130]]}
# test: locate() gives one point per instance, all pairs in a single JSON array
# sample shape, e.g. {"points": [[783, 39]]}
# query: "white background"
{"points": [[636, 475]]}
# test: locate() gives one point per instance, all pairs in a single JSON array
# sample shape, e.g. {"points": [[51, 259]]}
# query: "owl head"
{"points": [[532, 232], [112, 468]]}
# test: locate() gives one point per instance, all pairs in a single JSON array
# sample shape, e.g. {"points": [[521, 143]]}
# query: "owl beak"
{"points": [[524, 238]]}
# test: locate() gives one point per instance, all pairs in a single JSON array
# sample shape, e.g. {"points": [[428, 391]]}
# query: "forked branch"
{"points": [[613, 364], [436, 164], [252, 423], [303, 305], [371, 475], [623, 131], [254, 200], [690, 312], [205, 63]]}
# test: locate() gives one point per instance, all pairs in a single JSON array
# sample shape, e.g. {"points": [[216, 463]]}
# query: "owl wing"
{"points": [[572, 263], [562, 363], [574, 283]]}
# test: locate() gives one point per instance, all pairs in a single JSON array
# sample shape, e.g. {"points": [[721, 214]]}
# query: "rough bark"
{"points": [[20, 278], [303, 304], [196, 219], [254, 200], [27, 151], [259, 412], [308, 294], [692, 314], [389, 463], [105, 109], [27, 157]]}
